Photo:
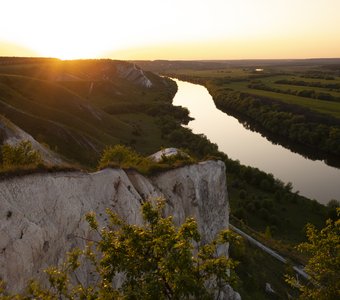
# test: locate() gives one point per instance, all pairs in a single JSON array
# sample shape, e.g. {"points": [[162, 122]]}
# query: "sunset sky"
{"points": [[170, 29]]}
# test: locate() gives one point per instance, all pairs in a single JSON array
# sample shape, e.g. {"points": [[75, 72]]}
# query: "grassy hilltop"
{"points": [[79, 107]]}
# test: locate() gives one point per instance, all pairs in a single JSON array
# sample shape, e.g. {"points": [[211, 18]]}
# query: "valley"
{"points": [[77, 109]]}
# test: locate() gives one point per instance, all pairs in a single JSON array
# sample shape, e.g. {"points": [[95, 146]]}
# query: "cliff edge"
{"points": [[42, 215]]}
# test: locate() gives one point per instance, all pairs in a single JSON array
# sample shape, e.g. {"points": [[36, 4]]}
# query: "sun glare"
{"points": [[225, 29], [69, 53]]}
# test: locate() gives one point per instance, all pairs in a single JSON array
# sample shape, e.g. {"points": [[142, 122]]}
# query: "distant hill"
{"points": [[171, 65]]}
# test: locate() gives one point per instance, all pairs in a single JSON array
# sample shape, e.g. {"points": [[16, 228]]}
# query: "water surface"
{"points": [[313, 179]]}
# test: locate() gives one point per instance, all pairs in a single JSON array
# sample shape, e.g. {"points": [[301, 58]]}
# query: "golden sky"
{"points": [[170, 29]]}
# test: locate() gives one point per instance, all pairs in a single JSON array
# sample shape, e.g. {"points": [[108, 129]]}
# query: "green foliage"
{"points": [[119, 156], [181, 137], [323, 266], [290, 121], [301, 93], [21, 155], [155, 261], [125, 157]]}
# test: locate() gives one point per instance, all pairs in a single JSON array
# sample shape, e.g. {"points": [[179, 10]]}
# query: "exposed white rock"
{"points": [[269, 289], [158, 156], [42, 215], [12, 135], [134, 74]]}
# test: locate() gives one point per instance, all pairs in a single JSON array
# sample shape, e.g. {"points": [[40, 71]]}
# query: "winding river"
{"points": [[313, 179]]}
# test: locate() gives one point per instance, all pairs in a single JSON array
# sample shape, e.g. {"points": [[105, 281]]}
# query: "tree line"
{"points": [[295, 123], [303, 93]]}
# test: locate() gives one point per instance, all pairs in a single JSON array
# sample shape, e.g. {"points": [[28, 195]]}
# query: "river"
{"points": [[313, 179]]}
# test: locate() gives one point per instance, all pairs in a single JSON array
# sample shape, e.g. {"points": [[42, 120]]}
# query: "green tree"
{"points": [[156, 261], [323, 266]]}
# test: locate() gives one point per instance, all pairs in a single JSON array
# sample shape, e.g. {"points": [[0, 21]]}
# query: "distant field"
{"points": [[326, 107], [238, 79], [223, 73]]}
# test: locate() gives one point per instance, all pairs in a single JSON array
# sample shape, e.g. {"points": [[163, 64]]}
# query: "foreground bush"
{"points": [[323, 266], [155, 261]]}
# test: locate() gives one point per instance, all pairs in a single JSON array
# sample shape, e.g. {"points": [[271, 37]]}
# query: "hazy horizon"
{"points": [[171, 30]]}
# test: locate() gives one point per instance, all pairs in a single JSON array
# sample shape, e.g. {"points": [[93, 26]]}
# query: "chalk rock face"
{"points": [[134, 74], [167, 152], [42, 215]]}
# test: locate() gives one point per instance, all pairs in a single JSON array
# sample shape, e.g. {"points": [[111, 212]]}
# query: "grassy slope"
{"points": [[63, 105]]}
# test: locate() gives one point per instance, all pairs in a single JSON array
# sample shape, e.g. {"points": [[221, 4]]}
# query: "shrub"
{"points": [[323, 266], [157, 259], [21, 155], [125, 157], [119, 156]]}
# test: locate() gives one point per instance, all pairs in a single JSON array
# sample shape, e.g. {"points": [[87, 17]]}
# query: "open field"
{"points": [[238, 79]]}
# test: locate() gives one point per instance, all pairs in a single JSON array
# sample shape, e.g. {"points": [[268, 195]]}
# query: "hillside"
{"points": [[79, 107]]}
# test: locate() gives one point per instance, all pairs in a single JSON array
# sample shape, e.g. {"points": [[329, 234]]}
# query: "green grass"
{"points": [[321, 106], [71, 119], [301, 88], [146, 137], [271, 81]]}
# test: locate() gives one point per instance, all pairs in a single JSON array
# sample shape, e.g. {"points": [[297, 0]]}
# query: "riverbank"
{"points": [[314, 179]]}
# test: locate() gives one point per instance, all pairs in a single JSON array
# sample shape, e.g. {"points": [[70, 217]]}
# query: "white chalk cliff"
{"points": [[134, 74], [42, 215]]}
